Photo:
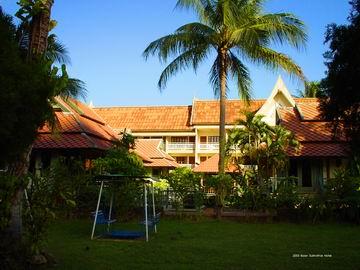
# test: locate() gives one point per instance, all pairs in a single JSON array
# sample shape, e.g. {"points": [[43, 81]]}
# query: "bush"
{"points": [[186, 187]]}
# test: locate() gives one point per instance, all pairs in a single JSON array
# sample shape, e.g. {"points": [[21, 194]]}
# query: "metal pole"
{"points": [[110, 210], [153, 204], [97, 209], [146, 213]]}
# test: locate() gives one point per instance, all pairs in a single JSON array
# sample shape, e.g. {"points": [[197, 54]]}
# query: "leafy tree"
{"points": [[341, 104], [28, 87], [122, 160], [183, 182], [256, 143], [235, 31]]}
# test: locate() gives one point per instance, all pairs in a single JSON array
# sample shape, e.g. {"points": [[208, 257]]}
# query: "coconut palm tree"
{"points": [[312, 89], [233, 31]]}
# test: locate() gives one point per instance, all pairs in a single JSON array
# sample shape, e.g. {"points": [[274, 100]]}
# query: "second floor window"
{"points": [[213, 139]]}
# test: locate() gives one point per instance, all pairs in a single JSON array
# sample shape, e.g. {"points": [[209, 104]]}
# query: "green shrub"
{"points": [[186, 188]]}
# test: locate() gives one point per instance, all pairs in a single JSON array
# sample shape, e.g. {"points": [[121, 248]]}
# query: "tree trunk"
{"points": [[222, 137], [39, 31], [19, 168]]}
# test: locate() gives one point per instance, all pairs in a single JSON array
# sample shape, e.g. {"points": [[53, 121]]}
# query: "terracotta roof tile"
{"points": [[211, 166], [160, 118], [77, 127], [208, 112], [151, 149], [308, 108], [304, 130], [314, 135], [328, 149]]}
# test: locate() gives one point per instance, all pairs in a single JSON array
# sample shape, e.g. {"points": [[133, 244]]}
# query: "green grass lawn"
{"points": [[210, 244]]}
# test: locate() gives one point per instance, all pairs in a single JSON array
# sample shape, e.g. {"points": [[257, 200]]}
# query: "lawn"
{"points": [[211, 244]]}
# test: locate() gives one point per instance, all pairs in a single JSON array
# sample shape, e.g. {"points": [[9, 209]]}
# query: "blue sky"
{"points": [[106, 40]]}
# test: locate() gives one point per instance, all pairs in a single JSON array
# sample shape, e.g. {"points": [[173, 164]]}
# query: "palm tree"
{"points": [[256, 143], [235, 31], [312, 89]]}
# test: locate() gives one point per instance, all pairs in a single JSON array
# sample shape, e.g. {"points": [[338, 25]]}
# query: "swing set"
{"points": [[100, 218]]}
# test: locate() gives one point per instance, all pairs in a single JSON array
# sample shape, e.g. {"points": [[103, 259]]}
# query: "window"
{"points": [[181, 160], [192, 139], [306, 173], [202, 139], [191, 160], [213, 139], [293, 170], [179, 139], [202, 159]]}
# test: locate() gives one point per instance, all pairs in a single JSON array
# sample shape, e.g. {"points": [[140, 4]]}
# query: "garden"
{"points": [[254, 217]]}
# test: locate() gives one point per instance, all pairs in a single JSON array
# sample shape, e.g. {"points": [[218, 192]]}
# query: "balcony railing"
{"points": [[209, 146], [181, 146], [187, 165]]}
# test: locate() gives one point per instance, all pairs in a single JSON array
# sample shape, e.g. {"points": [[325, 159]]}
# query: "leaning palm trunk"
{"points": [[39, 31]]}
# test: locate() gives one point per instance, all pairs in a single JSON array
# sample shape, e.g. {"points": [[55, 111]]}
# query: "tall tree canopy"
{"points": [[341, 104], [233, 31], [25, 90]]}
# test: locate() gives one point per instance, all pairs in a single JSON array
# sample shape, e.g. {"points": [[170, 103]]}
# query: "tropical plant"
{"points": [[223, 185], [312, 89], [235, 31], [257, 144]]}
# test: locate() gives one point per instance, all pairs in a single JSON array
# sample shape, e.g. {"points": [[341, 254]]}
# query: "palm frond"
{"points": [[206, 9], [241, 75], [282, 28], [174, 44], [190, 58], [74, 88], [56, 51], [214, 77], [274, 60]]}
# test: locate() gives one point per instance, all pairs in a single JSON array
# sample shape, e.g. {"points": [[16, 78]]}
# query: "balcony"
{"points": [[180, 147], [209, 146], [187, 165]]}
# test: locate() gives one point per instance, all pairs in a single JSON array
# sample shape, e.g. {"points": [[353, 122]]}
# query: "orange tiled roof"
{"points": [[208, 112], [308, 108], [211, 166], [314, 135], [150, 149], [77, 127], [159, 118]]}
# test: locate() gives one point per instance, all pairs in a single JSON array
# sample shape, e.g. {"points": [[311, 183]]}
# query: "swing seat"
{"points": [[101, 218], [124, 235], [152, 221]]}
